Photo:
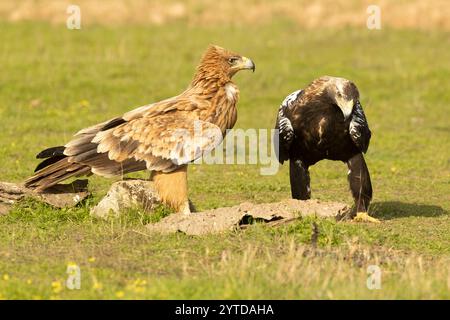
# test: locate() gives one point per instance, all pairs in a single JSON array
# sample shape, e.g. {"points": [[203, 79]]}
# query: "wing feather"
{"points": [[163, 142], [160, 136], [359, 128], [284, 126]]}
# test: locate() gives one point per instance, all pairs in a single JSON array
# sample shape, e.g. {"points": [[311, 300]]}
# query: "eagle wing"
{"points": [[160, 137], [359, 128], [284, 126], [163, 142]]}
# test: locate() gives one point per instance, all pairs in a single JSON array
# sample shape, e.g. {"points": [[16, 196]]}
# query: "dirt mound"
{"points": [[129, 194], [225, 219]]}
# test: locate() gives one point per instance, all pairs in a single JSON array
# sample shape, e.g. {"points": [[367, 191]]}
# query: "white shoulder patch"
{"points": [[290, 98], [284, 124]]}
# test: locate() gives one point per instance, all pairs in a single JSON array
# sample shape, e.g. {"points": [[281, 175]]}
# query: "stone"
{"points": [[125, 195], [240, 216], [130, 194]]}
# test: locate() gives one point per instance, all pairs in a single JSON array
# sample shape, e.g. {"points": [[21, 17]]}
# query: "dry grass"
{"points": [[256, 264], [326, 271], [417, 14]]}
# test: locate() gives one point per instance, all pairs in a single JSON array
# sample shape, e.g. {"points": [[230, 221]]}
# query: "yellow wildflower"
{"points": [[84, 103], [57, 286], [97, 285]]}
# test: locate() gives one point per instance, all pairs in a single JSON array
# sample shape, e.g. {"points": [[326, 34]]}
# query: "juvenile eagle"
{"points": [[326, 121], [161, 137]]}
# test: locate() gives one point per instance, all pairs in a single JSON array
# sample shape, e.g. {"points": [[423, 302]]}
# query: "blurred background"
{"points": [[304, 13]]}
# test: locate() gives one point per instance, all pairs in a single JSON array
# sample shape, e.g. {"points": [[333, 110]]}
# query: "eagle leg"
{"points": [[300, 181], [172, 189], [360, 185]]}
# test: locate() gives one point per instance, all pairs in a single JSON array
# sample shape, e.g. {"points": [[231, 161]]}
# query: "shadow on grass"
{"points": [[395, 209]]}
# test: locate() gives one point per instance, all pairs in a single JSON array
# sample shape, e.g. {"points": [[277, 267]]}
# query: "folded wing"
{"points": [[284, 126], [158, 137], [359, 128]]}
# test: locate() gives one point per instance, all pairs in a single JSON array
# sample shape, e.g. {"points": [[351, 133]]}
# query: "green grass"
{"points": [[83, 77]]}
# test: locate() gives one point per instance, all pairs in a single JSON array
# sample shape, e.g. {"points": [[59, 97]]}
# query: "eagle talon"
{"points": [[364, 217]]}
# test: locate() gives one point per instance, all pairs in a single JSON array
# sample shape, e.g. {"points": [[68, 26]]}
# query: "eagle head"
{"points": [[344, 94], [222, 64]]}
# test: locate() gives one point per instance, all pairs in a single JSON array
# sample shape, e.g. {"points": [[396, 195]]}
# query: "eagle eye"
{"points": [[233, 60]]}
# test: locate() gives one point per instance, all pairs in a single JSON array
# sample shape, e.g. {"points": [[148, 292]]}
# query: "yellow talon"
{"points": [[364, 217]]}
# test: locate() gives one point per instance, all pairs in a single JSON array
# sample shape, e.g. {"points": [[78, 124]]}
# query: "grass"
{"points": [[55, 81]]}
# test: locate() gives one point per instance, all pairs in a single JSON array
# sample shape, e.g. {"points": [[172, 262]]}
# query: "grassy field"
{"points": [[54, 81]]}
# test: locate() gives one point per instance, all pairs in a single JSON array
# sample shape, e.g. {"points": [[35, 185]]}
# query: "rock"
{"points": [[127, 194], [225, 219], [59, 196]]}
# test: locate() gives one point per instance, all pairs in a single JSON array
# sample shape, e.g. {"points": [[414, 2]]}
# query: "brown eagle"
{"points": [[161, 137], [326, 121]]}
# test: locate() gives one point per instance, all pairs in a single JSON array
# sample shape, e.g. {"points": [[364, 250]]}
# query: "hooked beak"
{"points": [[346, 107], [247, 63]]}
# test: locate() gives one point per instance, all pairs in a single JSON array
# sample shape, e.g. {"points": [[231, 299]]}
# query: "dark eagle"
{"points": [[161, 137], [326, 121]]}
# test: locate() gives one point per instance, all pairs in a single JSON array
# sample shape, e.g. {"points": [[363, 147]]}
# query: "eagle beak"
{"points": [[247, 63], [346, 106]]}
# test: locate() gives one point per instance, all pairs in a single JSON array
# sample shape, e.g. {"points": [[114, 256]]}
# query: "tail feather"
{"points": [[82, 156], [55, 173], [48, 162], [51, 152], [59, 168]]}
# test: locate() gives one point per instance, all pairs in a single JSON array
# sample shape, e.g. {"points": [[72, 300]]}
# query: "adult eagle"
{"points": [[162, 137], [326, 121]]}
